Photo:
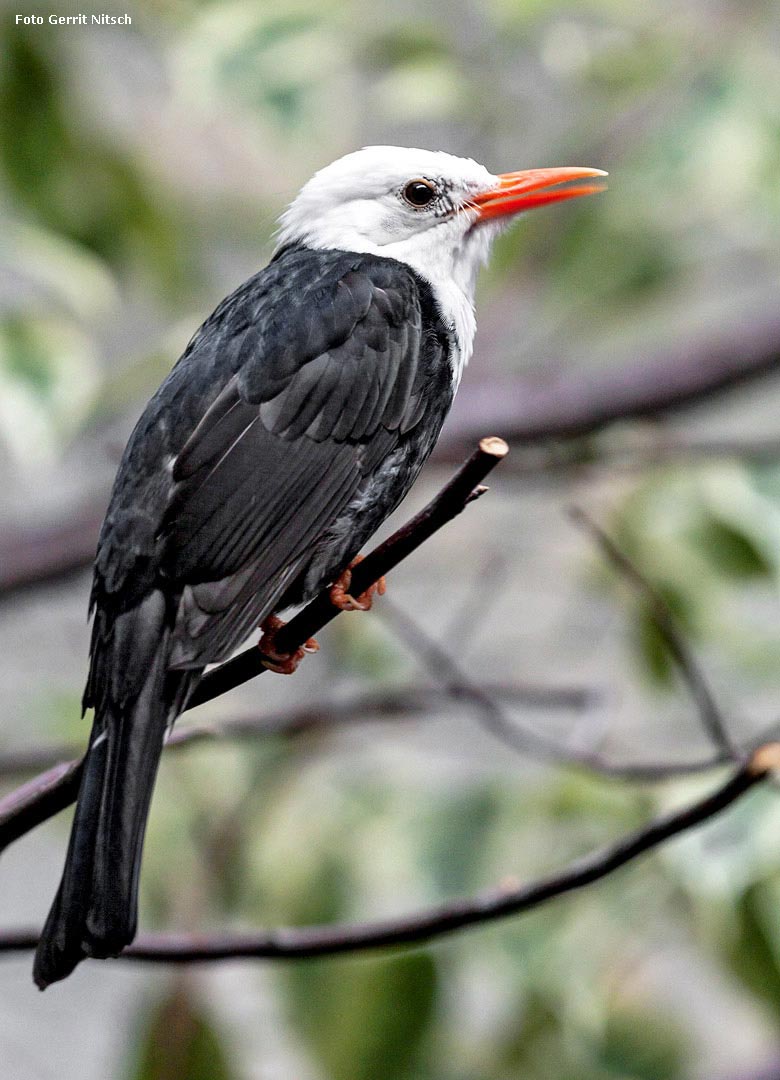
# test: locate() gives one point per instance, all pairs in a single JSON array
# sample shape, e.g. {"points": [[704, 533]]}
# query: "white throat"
{"points": [[449, 261]]}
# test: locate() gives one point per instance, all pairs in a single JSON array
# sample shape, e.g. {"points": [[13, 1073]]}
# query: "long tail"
{"points": [[95, 910]]}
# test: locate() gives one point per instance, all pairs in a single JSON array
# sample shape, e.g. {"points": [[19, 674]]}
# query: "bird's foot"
{"points": [[340, 596], [281, 663]]}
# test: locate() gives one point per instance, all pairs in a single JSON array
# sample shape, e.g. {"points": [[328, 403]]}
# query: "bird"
{"points": [[294, 423]]}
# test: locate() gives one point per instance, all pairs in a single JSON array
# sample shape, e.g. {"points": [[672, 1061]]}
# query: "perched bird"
{"points": [[296, 420]]}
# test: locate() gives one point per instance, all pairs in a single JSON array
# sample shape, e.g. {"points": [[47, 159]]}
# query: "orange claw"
{"points": [[281, 663], [341, 598]]}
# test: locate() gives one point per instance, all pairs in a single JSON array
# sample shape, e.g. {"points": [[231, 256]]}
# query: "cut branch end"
{"points": [[764, 759], [494, 445]]}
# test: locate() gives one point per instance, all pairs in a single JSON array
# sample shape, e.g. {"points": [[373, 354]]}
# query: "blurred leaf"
{"points": [[633, 63], [70, 276], [71, 178], [269, 58], [367, 1018], [421, 89], [365, 647], [48, 380], [741, 522], [693, 533], [718, 863], [26, 358], [532, 1048], [634, 1044], [642, 1045], [592, 258], [33, 135], [733, 552], [750, 951], [652, 648], [410, 43], [456, 836], [303, 872], [181, 1042], [60, 712], [213, 799], [573, 796]]}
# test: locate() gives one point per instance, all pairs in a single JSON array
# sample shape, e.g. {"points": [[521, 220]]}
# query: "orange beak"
{"points": [[519, 191]]}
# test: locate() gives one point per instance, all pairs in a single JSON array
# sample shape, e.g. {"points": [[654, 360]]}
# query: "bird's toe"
{"points": [[283, 663]]}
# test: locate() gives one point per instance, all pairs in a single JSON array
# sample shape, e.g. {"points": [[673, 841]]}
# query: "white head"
{"points": [[435, 212]]}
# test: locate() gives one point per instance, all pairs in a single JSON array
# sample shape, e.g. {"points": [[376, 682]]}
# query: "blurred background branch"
{"points": [[529, 411]]}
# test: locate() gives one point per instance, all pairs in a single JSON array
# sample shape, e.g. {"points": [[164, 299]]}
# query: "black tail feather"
{"points": [[95, 910]]}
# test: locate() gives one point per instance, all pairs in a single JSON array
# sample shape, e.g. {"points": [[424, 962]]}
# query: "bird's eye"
{"points": [[419, 193]]}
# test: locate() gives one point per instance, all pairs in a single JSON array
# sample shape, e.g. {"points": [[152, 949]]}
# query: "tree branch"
{"points": [[46, 795], [576, 403], [436, 922], [34, 555], [464, 487]]}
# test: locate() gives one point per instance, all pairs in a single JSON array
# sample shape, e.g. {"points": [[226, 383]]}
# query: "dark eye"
{"points": [[419, 193]]}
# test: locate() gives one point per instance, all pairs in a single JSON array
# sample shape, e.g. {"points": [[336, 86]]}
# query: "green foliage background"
{"points": [[141, 170]]}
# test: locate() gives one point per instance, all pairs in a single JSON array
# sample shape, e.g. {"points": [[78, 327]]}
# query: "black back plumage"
{"points": [[296, 420]]}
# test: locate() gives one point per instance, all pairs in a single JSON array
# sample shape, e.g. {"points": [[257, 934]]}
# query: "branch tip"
{"points": [[494, 446], [477, 493], [765, 759]]}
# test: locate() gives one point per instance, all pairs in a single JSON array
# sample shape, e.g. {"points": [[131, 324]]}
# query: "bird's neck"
{"points": [[451, 275], [457, 310], [449, 260], [454, 294]]}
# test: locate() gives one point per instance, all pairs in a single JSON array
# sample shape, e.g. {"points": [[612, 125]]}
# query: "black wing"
{"points": [[316, 381]]}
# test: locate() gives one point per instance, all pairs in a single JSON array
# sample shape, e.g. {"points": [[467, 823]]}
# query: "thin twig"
{"points": [[436, 922], [46, 795], [398, 703], [475, 609], [710, 715], [519, 736]]}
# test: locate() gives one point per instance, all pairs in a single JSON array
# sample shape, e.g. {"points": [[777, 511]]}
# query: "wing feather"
{"points": [[276, 459], [283, 404]]}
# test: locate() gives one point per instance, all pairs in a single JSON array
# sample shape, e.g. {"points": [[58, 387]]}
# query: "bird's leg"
{"points": [[341, 598], [281, 663]]}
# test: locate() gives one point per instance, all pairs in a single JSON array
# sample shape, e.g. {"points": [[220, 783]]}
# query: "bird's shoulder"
{"points": [[305, 303]]}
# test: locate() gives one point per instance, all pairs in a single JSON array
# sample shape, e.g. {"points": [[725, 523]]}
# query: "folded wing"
{"points": [[284, 448]]}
